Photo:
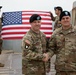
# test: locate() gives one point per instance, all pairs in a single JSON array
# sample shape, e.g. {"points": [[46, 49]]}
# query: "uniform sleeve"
{"points": [[29, 50], [52, 46]]}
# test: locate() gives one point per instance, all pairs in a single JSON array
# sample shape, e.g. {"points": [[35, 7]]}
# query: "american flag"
{"points": [[16, 24]]}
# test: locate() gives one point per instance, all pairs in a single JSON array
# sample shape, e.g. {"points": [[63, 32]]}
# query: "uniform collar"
{"points": [[71, 29], [34, 32]]}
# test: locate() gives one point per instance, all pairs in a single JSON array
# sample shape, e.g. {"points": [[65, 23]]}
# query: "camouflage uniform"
{"points": [[32, 55], [0, 37], [63, 44], [57, 22], [1, 41]]}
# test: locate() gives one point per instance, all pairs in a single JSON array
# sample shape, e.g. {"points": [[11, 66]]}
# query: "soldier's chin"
{"points": [[37, 29]]}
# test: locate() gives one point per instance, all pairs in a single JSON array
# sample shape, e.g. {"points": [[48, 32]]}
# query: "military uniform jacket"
{"points": [[57, 24], [33, 53], [63, 44]]}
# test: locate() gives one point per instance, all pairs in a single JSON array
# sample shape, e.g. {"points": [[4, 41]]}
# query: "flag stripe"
{"points": [[24, 25], [16, 35], [41, 23], [21, 33], [24, 14], [24, 28], [25, 18], [20, 37]]}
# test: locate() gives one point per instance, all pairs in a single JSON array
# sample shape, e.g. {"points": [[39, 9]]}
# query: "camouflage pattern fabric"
{"points": [[32, 55], [1, 41], [57, 23], [66, 73], [63, 44]]}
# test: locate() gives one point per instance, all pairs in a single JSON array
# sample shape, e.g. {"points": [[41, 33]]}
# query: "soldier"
{"points": [[63, 44], [58, 11], [33, 46], [1, 65]]}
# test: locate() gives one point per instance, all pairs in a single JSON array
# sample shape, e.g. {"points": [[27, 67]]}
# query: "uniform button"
{"points": [[69, 31]]}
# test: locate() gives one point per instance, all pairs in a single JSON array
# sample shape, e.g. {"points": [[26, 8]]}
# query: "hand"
{"points": [[51, 14], [46, 57], [52, 17], [48, 70]]}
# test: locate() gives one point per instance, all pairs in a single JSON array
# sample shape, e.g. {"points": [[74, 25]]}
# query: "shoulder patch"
{"points": [[27, 42]]}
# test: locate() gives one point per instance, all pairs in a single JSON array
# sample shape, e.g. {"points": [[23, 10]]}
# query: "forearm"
{"points": [[34, 55]]}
